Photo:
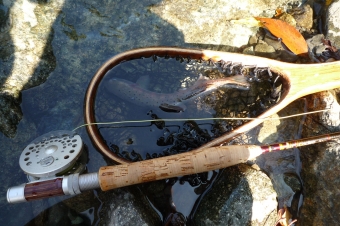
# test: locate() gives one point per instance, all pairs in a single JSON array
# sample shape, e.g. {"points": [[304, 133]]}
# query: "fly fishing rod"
{"points": [[50, 155]]}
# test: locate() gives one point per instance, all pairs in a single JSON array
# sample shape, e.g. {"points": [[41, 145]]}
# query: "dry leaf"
{"points": [[287, 33]]}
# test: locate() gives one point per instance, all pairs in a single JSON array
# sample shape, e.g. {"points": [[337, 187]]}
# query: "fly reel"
{"points": [[53, 154]]}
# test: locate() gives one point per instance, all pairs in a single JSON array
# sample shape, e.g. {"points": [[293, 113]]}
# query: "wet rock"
{"points": [[121, 207], [26, 59], [10, 114], [242, 196], [59, 210], [251, 187], [277, 165], [82, 35], [321, 164], [284, 168], [32, 21]]}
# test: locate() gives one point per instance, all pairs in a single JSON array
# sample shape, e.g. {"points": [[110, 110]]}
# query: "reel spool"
{"points": [[53, 154]]}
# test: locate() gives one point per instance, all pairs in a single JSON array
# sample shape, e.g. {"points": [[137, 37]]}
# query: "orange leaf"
{"points": [[288, 34]]}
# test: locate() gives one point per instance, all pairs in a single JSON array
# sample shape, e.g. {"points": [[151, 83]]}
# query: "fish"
{"points": [[137, 94]]}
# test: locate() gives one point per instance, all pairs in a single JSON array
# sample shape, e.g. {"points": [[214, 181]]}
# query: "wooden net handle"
{"points": [[196, 161]]}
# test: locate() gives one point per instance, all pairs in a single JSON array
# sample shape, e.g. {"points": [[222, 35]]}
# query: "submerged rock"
{"points": [[122, 207], [26, 54], [10, 114], [321, 165], [67, 41], [242, 196]]}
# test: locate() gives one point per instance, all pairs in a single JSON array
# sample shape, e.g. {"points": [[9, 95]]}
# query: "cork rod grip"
{"points": [[196, 161]]}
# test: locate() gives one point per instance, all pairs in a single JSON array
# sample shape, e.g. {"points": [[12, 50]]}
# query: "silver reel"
{"points": [[53, 154]]}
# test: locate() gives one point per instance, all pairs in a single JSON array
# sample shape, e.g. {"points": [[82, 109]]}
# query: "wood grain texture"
{"points": [[43, 189], [197, 161], [299, 80]]}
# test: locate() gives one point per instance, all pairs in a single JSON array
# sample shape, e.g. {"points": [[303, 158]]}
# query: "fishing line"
{"points": [[200, 119]]}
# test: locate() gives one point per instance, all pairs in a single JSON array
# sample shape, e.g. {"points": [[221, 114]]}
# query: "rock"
{"points": [[265, 50], [10, 114], [333, 21], [303, 16], [284, 167], [29, 63], [249, 51], [26, 54], [269, 134], [321, 164], [253, 40], [288, 18], [67, 41], [282, 52], [240, 197], [322, 50], [121, 207]]}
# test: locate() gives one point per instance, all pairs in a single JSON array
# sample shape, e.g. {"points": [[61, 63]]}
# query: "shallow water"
{"points": [[136, 141], [178, 195], [83, 35], [175, 78]]}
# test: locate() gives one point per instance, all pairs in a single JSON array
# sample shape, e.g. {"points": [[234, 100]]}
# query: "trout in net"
{"points": [[193, 88], [137, 93]]}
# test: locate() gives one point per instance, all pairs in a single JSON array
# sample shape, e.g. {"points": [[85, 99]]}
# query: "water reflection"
{"points": [[80, 39]]}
